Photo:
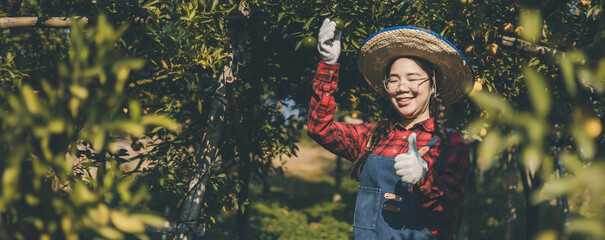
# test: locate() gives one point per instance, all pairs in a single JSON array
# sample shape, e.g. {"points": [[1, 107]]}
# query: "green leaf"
{"points": [[56, 126], [308, 22], [98, 138], [10, 182], [567, 70], [150, 3], [488, 149], [584, 143], [531, 20], [150, 219], [132, 127], [83, 194], [31, 100], [102, 214], [214, 3], [532, 158], [78, 91], [551, 189], [538, 91], [133, 63], [493, 103], [110, 233], [134, 109], [160, 120], [74, 105], [126, 223], [124, 189], [590, 227], [571, 161]]}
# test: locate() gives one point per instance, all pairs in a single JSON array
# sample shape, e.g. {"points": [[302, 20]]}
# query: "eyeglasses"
{"points": [[392, 83]]}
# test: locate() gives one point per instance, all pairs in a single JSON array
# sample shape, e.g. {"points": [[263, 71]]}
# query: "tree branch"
{"points": [[528, 47], [28, 22], [171, 228]]}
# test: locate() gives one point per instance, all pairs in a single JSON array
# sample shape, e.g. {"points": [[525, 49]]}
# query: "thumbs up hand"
{"points": [[410, 166]]}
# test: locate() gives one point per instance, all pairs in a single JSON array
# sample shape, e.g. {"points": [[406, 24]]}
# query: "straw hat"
{"points": [[455, 76]]}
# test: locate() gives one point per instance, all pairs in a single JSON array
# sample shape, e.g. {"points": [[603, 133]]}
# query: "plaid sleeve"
{"points": [[439, 196], [342, 139]]}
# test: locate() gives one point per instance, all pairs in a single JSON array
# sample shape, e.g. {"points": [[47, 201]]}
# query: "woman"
{"points": [[404, 192]]}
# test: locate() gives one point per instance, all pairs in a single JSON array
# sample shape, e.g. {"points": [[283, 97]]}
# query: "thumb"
{"points": [[412, 143]]}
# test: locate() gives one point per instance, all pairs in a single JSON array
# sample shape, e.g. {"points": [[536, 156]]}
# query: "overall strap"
{"points": [[428, 146], [355, 169], [369, 144]]}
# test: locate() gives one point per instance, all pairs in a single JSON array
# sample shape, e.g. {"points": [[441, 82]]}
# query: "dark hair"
{"points": [[382, 127]]}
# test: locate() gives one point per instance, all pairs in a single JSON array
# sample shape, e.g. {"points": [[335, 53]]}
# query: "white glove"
{"points": [[329, 42], [410, 166]]}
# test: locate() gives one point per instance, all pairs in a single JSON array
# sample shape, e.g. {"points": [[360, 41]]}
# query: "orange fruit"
{"points": [[309, 41], [469, 49], [477, 87], [354, 115], [483, 132], [492, 49], [466, 1], [579, 12], [509, 28], [340, 24], [519, 30], [593, 127]]}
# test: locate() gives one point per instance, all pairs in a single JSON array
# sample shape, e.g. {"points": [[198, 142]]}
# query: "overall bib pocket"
{"points": [[366, 208]]}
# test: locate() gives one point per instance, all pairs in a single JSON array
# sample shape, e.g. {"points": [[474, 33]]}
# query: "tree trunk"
{"points": [[532, 212], [242, 213], [28, 22], [254, 26], [190, 208], [511, 183]]}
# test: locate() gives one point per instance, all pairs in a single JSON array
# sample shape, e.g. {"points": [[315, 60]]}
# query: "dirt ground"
{"points": [[313, 163]]}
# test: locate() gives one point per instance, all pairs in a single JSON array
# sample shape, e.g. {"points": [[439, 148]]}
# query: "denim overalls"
{"points": [[385, 208]]}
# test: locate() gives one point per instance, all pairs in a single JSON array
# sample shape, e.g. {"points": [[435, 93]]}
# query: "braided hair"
{"points": [[381, 129]]}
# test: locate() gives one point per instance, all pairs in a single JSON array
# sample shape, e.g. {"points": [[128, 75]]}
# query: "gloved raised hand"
{"points": [[329, 42], [410, 166]]}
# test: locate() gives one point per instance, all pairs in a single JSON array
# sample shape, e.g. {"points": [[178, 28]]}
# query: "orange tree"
{"points": [[476, 27], [44, 119], [180, 49]]}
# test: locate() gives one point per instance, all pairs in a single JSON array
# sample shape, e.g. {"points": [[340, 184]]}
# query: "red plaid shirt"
{"points": [[438, 196]]}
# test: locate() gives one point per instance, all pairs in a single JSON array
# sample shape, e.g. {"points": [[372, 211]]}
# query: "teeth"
{"points": [[404, 99]]}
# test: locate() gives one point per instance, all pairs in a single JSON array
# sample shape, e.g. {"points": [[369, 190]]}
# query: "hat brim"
{"points": [[455, 75]]}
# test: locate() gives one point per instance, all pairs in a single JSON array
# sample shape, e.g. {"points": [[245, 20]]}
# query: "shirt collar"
{"points": [[427, 125]]}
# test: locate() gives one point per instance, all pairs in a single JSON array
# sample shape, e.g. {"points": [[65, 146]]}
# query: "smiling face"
{"points": [[411, 96]]}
